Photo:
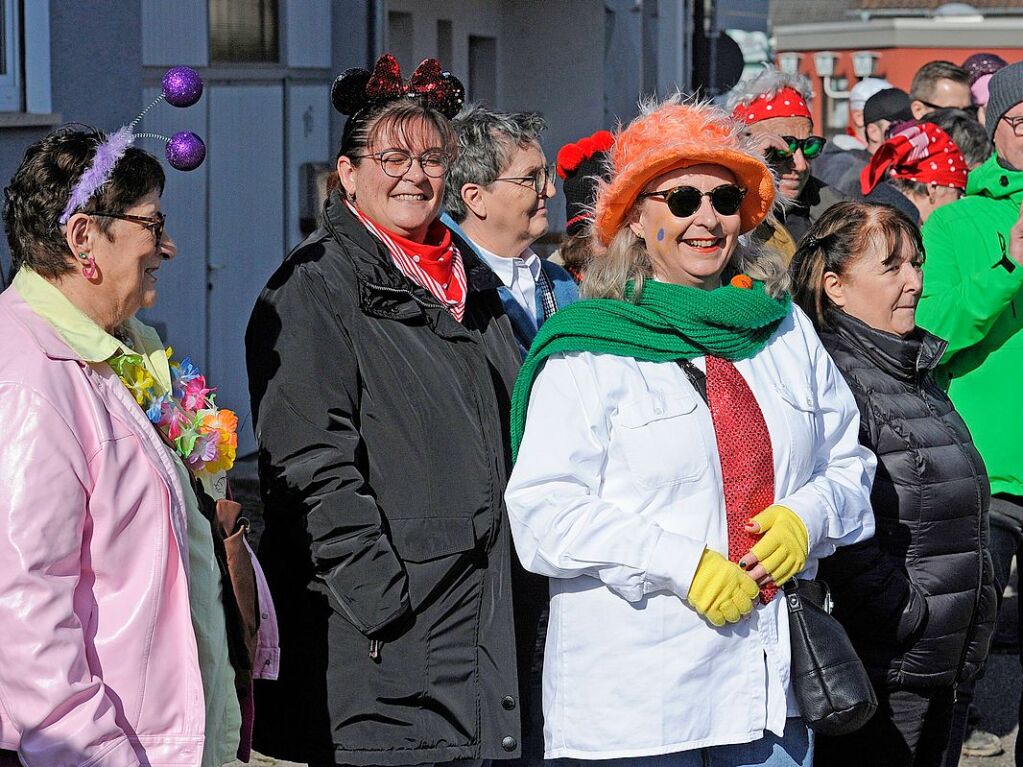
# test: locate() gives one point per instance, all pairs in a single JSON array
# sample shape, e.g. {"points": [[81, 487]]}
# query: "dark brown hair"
{"points": [[400, 118], [922, 88], [40, 188], [842, 234]]}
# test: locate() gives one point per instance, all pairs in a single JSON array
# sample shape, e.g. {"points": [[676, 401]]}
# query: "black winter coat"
{"points": [[383, 463], [917, 599]]}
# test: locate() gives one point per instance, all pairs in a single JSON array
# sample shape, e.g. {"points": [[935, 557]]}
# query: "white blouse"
{"points": [[615, 494]]}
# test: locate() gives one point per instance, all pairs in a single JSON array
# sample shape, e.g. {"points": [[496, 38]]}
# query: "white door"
{"points": [[246, 228]]}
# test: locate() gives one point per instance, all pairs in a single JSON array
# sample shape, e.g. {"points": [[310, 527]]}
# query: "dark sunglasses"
{"points": [[811, 146], [684, 201]]}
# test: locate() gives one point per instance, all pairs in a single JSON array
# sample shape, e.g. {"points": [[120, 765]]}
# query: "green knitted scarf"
{"points": [[670, 322]]}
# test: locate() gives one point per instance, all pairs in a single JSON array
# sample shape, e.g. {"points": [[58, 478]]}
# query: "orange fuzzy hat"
{"points": [[670, 136]]}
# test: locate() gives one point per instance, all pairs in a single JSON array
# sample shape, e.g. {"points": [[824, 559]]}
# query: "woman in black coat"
{"points": [[917, 599], [380, 362]]}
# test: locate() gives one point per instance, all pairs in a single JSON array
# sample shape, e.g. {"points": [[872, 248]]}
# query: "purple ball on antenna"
{"points": [[185, 151], [182, 86]]}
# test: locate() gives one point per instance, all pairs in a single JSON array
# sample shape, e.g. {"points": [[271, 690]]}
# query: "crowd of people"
{"points": [[523, 508]]}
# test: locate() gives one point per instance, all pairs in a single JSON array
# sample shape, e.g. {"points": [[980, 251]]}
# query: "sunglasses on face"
{"points": [[811, 146], [684, 201]]}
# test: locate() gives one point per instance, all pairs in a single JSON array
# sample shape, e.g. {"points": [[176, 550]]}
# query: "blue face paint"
{"points": [[660, 235]]}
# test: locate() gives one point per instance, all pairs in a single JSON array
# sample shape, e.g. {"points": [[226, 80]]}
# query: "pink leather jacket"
{"points": [[98, 662]]}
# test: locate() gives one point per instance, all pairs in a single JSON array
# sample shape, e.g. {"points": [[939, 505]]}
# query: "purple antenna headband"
{"points": [[181, 87]]}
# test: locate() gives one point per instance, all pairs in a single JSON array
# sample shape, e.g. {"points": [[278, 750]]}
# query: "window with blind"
{"points": [[244, 32], [10, 75]]}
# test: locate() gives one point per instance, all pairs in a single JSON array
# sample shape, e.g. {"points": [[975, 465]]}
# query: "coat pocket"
{"points": [[426, 539]]}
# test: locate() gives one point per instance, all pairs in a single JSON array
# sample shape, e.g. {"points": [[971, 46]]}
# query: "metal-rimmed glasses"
{"points": [[397, 162], [539, 179], [154, 223]]}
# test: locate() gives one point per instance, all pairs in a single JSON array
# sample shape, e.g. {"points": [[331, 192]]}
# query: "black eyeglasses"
{"points": [[811, 146], [154, 223], [538, 180], [684, 201], [970, 110], [397, 162]]}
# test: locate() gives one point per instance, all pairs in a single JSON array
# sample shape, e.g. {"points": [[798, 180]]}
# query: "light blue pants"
{"points": [[795, 749]]}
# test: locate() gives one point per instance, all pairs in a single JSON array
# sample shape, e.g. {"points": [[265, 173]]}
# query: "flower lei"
{"points": [[202, 434]]}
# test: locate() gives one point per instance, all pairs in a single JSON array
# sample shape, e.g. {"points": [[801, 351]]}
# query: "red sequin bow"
{"points": [[357, 88]]}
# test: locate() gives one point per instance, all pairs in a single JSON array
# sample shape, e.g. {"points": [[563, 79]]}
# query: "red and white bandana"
{"points": [[452, 295], [921, 152], [787, 102]]}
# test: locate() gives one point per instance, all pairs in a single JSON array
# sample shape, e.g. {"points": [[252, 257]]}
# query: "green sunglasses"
{"points": [[811, 146]]}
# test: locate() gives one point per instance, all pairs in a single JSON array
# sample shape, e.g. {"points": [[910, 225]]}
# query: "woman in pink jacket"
{"points": [[121, 644]]}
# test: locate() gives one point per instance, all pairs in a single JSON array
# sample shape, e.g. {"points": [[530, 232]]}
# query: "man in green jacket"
{"points": [[973, 298]]}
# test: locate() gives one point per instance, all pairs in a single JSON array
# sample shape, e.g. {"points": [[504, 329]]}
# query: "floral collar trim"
{"points": [[203, 435]]}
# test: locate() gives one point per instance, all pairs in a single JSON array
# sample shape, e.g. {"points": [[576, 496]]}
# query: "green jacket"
{"points": [[971, 298]]}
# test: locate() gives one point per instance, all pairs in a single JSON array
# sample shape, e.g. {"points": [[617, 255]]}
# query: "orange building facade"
{"points": [[902, 46]]}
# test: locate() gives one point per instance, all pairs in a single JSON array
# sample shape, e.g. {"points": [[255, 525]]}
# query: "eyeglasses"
{"points": [[684, 201], [970, 109], [397, 162], [1016, 123], [811, 146], [538, 180], [154, 223]]}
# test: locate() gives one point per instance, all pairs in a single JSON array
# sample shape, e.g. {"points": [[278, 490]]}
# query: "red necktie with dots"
{"points": [[747, 460]]}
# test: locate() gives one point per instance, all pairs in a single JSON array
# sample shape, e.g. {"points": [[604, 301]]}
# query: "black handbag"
{"points": [[829, 682]]}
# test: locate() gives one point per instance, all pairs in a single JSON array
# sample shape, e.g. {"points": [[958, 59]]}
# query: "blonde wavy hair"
{"points": [[626, 258]]}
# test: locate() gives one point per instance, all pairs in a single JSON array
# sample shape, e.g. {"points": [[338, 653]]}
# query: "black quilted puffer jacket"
{"points": [[917, 599]]}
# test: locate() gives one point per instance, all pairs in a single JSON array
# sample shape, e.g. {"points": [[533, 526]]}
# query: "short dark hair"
{"points": [[40, 188], [966, 133], [840, 236], [922, 88]]}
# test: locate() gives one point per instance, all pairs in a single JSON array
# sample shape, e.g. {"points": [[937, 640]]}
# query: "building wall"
{"points": [[86, 50], [904, 45]]}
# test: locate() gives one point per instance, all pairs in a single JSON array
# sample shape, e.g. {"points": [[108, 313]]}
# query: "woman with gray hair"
{"points": [[498, 189], [684, 447]]}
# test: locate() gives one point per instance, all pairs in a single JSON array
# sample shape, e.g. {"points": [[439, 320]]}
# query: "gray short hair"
{"points": [[769, 81], [486, 140]]}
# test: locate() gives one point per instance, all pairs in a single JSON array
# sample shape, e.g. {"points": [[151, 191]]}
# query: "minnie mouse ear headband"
{"points": [[671, 136], [579, 166], [181, 87], [356, 90]]}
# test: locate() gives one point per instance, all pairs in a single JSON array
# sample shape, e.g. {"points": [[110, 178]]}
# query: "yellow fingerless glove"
{"points": [[720, 590], [785, 544]]}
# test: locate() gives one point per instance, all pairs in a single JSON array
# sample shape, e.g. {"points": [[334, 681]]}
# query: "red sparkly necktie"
{"points": [[744, 447]]}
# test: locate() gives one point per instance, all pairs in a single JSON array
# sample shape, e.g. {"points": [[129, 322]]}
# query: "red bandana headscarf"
{"points": [[787, 102], [921, 152]]}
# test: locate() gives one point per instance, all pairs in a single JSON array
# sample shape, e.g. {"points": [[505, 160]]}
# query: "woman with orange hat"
{"points": [[684, 447]]}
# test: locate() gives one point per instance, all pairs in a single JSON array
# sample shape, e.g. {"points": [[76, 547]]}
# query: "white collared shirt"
{"points": [[615, 493], [519, 274]]}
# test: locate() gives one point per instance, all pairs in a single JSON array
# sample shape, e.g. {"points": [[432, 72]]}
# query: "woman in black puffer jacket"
{"points": [[917, 599]]}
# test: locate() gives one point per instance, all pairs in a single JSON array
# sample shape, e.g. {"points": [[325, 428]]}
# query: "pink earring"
{"points": [[88, 265]]}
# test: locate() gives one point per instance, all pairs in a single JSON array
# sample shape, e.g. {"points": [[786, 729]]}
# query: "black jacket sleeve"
{"points": [[874, 598], [303, 379]]}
